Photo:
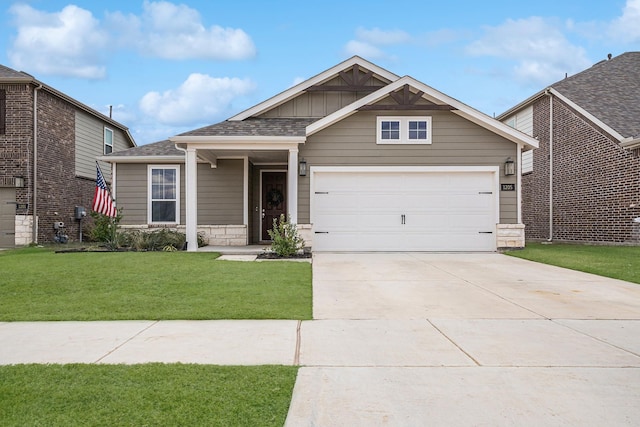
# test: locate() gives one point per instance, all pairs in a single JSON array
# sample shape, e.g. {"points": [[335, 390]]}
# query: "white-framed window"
{"points": [[404, 130], [108, 141], [164, 194]]}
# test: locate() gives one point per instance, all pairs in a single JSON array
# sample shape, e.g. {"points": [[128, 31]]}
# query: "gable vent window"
{"points": [[404, 130], [108, 141]]}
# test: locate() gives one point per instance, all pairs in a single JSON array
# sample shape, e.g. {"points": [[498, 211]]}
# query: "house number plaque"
{"points": [[507, 187]]}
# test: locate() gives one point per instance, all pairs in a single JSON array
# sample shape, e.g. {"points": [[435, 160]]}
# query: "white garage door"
{"points": [[385, 210]]}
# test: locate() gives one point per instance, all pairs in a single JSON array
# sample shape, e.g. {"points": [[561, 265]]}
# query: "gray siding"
{"points": [[319, 104], [456, 142], [131, 192], [90, 144], [219, 193]]}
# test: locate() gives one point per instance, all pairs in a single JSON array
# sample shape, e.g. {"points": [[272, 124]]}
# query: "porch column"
{"points": [[292, 186], [191, 199]]}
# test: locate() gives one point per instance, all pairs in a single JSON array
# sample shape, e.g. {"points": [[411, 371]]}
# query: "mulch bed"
{"points": [[272, 255]]}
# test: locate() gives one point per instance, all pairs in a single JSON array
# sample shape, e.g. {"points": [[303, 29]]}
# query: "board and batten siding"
{"points": [[456, 142], [523, 121], [319, 104], [220, 191], [90, 145]]}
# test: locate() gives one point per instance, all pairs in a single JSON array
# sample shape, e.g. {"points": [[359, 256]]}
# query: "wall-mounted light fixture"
{"points": [[509, 167], [19, 181], [302, 167]]}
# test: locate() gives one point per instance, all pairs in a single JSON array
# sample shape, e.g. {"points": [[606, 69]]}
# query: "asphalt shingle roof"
{"points": [[7, 73], [160, 148], [255, 127], [610, 90]]}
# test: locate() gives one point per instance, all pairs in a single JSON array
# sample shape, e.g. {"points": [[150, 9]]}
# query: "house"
{"points": [[360, 159], [49, 143], [583, 183]]}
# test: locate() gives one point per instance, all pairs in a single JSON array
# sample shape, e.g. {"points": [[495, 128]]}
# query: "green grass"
{"points": [[145, 395], [39, 284], [618, 262]]}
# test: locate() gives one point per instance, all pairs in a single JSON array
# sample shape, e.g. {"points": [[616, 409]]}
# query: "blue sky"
{"points": [[168, 67]]}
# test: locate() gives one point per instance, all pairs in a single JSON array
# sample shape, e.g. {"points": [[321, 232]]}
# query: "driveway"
{"points": [[466, 339]]}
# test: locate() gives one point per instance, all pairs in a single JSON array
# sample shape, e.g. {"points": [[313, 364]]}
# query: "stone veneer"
{"points": [[216, 235], [24, 230], [510, 236]]}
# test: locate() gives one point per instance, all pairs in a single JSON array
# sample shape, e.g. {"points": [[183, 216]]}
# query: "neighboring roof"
{"points": [[434, 96], [608, 93], [318, 79], [609, 90], [11, 76], [255, 127]]}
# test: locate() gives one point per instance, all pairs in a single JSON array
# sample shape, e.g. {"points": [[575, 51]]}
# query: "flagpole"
{"points": [[105, 181]]}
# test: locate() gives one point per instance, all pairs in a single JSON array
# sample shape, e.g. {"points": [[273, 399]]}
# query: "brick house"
{"points": [[583, 183], [48, 146]]}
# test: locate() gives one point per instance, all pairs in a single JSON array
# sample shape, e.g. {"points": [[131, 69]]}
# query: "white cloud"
{"points": [[199, 99], [171, 31], [542, 52], [66, 43], [368, 42], [363, 49], [376, 36], [626, 28]]}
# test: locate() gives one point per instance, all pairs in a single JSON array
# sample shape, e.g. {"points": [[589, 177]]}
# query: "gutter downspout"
{"points": [[548, 92], [34, 225]]}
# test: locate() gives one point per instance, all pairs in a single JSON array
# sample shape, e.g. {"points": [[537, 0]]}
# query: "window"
{"points": [[404, 130], [164, 194], [108, 141], [3, 111]]}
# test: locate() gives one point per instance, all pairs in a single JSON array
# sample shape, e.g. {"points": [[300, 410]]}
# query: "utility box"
{"points": [[80, 212]]}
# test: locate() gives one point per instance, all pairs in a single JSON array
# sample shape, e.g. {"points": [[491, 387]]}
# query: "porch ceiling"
{"points": [[255, 156]]}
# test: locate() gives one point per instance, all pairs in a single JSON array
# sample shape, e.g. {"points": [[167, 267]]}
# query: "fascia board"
{"points": [[511, 111], [299, 88], [461, 109], [588, 115], [241, 140], [141, 159]]}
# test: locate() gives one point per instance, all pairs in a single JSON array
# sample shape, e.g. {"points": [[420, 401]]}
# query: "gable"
{"points": [[408, 94], [326, 92]]}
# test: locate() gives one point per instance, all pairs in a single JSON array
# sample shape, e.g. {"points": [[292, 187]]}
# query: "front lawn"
{"points": [[39, 284], [618, 262], [145, 395]]}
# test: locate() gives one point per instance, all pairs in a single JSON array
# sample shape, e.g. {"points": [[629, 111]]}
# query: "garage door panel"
{"points": [[398, 211]]}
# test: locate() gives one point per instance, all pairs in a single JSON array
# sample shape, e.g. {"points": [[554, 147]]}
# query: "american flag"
{"points": [[102, 201]]}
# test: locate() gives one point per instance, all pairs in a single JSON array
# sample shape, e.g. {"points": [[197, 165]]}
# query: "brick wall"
{"points": [[596, 183], [59, 191], [16, 143]]}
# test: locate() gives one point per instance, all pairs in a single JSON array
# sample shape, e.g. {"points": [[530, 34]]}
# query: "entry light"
{"points": [[303, 167], [509, 167]]}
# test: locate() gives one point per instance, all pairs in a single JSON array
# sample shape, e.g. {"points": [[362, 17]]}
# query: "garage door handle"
{"points": [[485, 232], [322, 192], [485, 192], [321, 232], [403, 218]]}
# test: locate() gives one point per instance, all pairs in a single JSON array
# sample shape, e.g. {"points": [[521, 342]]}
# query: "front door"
{"points": [[7, 217], [274, 199]]}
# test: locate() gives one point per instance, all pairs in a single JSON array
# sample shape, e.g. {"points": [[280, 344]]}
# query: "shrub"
{"points": [[286, 241], [104, 229]]}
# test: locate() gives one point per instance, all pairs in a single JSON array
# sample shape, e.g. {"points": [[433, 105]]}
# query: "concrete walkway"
{"points": [[408, 340]]}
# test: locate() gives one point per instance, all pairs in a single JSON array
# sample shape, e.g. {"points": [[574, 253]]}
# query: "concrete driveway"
{"points": [[463, 340]]}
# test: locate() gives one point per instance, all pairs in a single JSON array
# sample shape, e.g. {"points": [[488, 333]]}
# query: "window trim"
{"points": [[150, 199], [104, 138], [404, 130]]}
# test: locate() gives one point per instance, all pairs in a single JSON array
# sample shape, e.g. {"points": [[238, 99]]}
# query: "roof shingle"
{"points": [[609, 90]]}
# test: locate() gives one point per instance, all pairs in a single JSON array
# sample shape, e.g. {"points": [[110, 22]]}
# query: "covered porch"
{"points": [[270, 169]]}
